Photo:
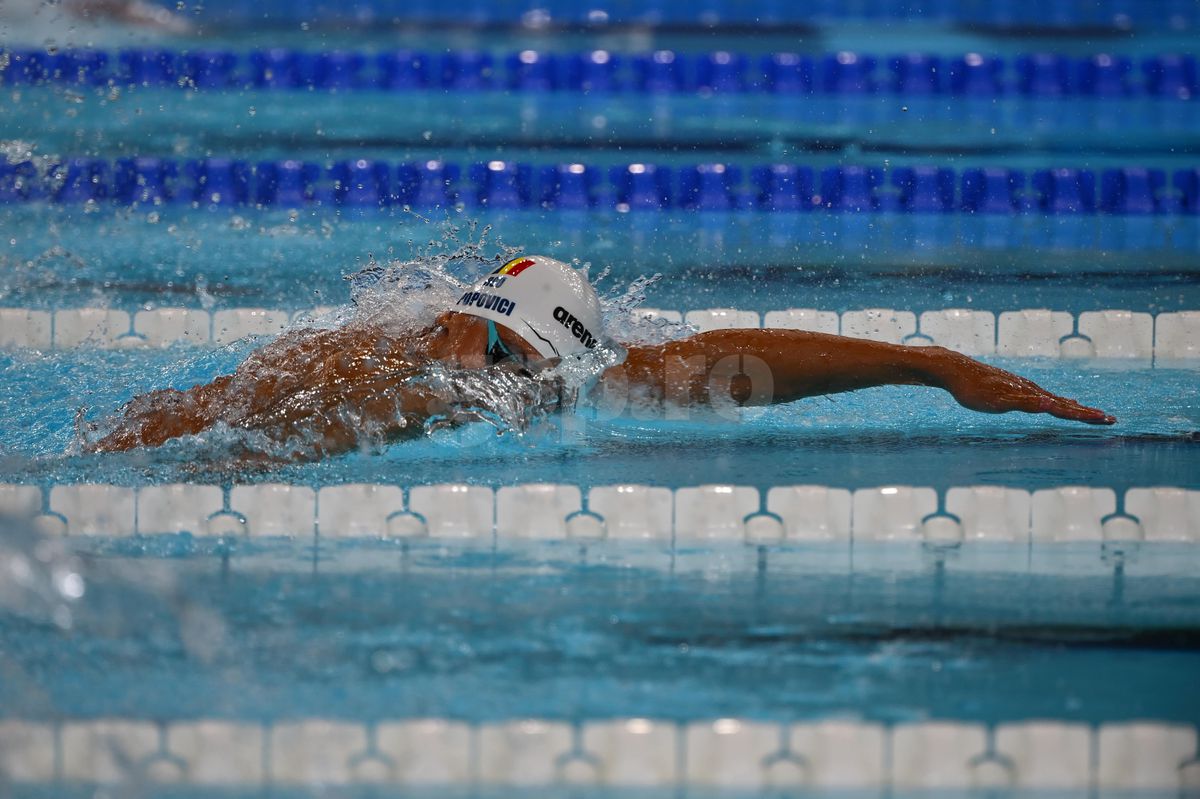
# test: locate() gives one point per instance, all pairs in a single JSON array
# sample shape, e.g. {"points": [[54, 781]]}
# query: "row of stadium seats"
{"points": [[973, 75], [1030, 333], [365, 183], [834, 754], [623, 512]]}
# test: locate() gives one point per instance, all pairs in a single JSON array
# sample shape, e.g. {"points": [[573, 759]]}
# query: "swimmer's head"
{"points": [[547, 303]]}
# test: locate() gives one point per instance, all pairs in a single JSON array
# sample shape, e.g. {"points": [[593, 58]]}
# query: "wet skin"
{"points": [[332, 390]]}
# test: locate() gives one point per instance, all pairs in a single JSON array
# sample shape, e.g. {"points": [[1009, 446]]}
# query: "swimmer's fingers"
{"points": [[1064, 408], [1032, 398], [985, 388]]}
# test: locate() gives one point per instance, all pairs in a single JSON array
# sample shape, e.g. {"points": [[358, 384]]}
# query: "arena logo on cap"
{"points": [[515, 267], [568, 320]]}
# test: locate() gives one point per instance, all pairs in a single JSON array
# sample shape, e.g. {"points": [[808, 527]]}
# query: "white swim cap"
{"points": [[546, 302]]}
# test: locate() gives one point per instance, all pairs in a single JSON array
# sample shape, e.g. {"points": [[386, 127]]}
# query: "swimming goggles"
{"points": [[497, 350]]}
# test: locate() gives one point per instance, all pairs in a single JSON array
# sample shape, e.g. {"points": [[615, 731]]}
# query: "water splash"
{"points": [[393, 302]]}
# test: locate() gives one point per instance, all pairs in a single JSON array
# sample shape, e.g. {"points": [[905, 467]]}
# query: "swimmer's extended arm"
{"points": [[760, 367]]}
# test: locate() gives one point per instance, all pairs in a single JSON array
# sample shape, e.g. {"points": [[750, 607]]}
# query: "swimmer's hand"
{"points": [[990, 390]]}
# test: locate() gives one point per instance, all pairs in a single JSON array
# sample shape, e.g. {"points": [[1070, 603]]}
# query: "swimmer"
{"points": [[334, 390], [85, 23], [129, 12]]}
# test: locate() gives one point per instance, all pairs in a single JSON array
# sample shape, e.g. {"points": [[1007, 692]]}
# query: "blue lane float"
{"points": [[509, 185], [1050, 15], [977, 75]]}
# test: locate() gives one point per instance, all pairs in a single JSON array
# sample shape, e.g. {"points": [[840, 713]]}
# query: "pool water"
{"points": [[953, 645], [881, 436]]}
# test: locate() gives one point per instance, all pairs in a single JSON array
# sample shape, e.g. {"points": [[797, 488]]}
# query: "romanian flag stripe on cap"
{"points": [[515, 267]]}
